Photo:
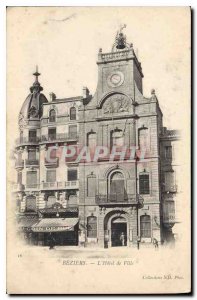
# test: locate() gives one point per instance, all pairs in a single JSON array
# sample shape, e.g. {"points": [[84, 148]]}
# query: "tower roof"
{"points": [[32, 106]]}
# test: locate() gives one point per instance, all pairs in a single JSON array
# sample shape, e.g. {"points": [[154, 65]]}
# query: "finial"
{"points": [[36, 85], [36, 74]]}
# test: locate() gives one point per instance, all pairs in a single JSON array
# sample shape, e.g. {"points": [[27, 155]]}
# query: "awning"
{"points": [[55, 224], [26, 223]]}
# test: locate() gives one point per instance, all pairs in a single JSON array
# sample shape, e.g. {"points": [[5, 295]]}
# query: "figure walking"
{"points": [[155, 243], [51, 241], [122, 239]]}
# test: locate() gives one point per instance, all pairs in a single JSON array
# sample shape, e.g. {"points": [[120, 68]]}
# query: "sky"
{"points": [[64, 43]]}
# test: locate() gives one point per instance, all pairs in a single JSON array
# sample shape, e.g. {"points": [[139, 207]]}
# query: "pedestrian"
{"points": [[122, 239], [51, 241], [155, 243]]}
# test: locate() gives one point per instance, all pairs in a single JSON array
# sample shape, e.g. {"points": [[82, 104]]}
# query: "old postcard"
{"points": [[98, 150]]}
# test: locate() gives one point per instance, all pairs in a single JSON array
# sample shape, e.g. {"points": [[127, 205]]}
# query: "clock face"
{"points": [[115, 79]]}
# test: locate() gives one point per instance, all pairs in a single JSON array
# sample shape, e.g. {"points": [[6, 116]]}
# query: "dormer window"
{"points": [[73, 113], [52, 115]]}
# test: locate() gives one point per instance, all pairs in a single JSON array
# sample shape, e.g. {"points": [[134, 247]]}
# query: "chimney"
{"points": [[86, 92]]}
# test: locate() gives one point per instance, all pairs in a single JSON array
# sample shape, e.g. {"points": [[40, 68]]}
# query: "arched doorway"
{"points": [[118, 232], [116, 229]]}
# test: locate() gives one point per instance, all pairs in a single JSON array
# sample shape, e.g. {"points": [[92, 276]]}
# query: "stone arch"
{"points": [[106, 96], [116, 168], [112, 215]]}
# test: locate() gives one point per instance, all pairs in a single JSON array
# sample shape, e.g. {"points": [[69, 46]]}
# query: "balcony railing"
{"points": [[27, 141], [31, 162], [118, 199], [19, 163], [34, 186], [59, 137], [60, 185]]}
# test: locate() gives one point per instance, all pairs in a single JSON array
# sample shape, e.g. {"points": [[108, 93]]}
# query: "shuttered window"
{"points": [[144, 184], [91, 186], [31, 179], [72, 131], [51, 176], [92, 227], [73, 113], [145, 226]]}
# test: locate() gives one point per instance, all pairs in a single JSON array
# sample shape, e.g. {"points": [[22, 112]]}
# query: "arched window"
{"points": [[145, 226], [143, 138], [91, 140], [92, 227], [117, 187], [31, 203], [117, 138], [52, 115], [72, 113]]}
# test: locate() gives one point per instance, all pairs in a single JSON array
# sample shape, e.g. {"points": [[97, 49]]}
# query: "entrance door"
{"points": [[119, 232]]}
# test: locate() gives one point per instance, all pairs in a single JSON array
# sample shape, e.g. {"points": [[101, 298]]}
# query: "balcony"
{"points": [[62, 137], [27, 141], [32, 186], [118, 199], [18, 187], [53, 163], [32, 162], [60, 185], [19, 164]]}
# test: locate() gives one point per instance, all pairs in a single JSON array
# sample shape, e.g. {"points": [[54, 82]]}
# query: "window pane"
{"points": [[31, 203], [32, 135], [72, 175], [144, 184], [32, 154], [73, 113], [51, 176], [52, 115], [31, 178], [145, 226], [91, 182], [73, 131]]}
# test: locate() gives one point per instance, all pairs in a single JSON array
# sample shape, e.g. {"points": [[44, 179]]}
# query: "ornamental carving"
{"points": [[21, 120], [116, 104], [33, 112]]}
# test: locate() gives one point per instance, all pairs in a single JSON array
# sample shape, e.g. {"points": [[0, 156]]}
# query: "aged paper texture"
{"points": [[98, 150]]}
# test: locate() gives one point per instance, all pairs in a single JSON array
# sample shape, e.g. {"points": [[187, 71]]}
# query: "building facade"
{"points": [[96, 170]]}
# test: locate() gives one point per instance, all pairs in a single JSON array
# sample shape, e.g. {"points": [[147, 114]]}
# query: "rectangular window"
{"points": [[144, 184], [51, 176], [145, 226], [31, 179], [32, 154], [92, 227], [32, 135], [72, 174], [169, 181], [52, 134], [168, 152], [72, 131], [91, 186]]}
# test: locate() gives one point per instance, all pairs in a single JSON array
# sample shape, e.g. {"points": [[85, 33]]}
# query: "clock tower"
{"points": [[119, 71]]}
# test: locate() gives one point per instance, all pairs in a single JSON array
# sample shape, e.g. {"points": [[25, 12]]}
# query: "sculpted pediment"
{"points": [[117, 103]]}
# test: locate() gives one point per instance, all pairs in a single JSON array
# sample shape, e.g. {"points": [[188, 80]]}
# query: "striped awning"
{"points": [[55, 224]]}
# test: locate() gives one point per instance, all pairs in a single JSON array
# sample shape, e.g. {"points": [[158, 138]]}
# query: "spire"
{"points": [[36, 87]]}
